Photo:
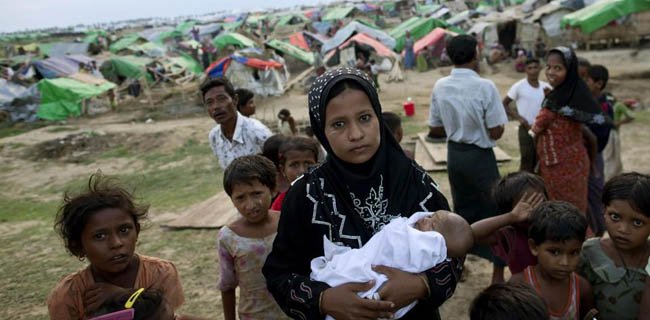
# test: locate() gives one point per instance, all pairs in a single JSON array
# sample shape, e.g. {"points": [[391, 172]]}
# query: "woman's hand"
{"points": [[402, 287], [343, 303], [99, 293]]}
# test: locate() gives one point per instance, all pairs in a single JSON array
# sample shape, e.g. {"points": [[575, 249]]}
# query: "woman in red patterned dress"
{"points": [[560, 133]]}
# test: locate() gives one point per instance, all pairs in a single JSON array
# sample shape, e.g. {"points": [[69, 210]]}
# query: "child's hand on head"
{"points": [[526, 205], [99, 293]]}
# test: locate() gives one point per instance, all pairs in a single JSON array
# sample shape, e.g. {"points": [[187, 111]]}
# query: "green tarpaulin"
{"points": [[61, 98], [187, 62], [419, 27], [232, 25], [288, 48], [160, 39], [599, 14], [184, 27], [126, 42], [254, 20], [338, 13], [426, 9], [233, 38], [150, 49], [130, 67], [286, 19], [367, 23]]}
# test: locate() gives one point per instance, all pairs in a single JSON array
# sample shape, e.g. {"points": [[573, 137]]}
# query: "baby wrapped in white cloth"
{"points": [[413, 244]]}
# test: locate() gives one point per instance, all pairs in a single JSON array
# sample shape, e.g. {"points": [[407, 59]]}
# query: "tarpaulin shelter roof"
{"points": [[149, 49], [187, 62], [80, 58], [61, 98], [599, 14], [291, 18], [338, 13], [219, 67], [367, 22], [356, 27], [233, 38], [368, 7], [364, 39], [253, 20], [321, 26], [130, 67], [10, 91], [59, 49], [183, 27], [287, 48], [126, 42], [302, 39], [208, 29], [153, 33], [56, 67], [426, 9], [434, 38], [418, 27], [232, 25]]}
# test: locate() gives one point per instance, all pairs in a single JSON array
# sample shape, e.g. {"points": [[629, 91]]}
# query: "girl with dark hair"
{"points": [[365, 182], [245, 102], [559, 130]]}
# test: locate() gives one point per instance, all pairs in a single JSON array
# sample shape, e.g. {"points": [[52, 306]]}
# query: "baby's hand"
{"points": [[99, 293], [526, 205]]}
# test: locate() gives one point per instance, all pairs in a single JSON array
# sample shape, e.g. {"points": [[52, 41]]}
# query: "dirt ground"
{"points": [[52, 155]]}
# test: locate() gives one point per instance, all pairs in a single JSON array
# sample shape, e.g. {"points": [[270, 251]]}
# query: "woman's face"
{"points": [[352, 127], [555, 70]]}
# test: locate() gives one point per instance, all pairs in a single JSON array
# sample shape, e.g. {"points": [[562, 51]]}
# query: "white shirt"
{"points": [[529, 99], [467, 105], [397, 245], [248, 139]]}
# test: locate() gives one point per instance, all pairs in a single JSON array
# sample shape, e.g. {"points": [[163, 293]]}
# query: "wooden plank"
{"points": [[423, 158], [437, 151], [214, 212]]}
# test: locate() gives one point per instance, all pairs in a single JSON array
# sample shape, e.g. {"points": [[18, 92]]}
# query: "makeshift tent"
{"points": [[92, 35], [228, 26], [187, 62], [367, 22], [367, 7], [126, 42], [304, 39], [210, 30], [260, 76], [425, 10], [365, 40], [184, 27], [339, 13], [435, 38], [253, 21], [549, 17], [322, 27], [287, 48], [418, 27], [154, 34], [600, 14], [125, 67], [291, 19], [59, 49], [56, 67], [61, 98], [234, 39], [149, 49], [353, 28]]}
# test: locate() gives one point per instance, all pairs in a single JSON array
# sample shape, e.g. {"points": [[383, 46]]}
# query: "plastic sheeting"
{"points": [[600, 14], [59, 49], [233, 38], [296, 52], [356, 27], [61, 98]]}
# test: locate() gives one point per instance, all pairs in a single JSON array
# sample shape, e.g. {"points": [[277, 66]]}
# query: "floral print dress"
{"points": [[241, 260]]}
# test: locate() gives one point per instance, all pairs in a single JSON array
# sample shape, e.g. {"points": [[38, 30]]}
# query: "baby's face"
{"points": [[432, 222]]}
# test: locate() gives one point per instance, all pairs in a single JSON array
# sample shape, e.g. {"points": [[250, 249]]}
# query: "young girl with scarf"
{"points": [[364, 183], [559, 130]]}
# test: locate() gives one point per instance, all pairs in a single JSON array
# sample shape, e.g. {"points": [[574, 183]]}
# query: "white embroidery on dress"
{"points": [[336, 213], [373, 210]]}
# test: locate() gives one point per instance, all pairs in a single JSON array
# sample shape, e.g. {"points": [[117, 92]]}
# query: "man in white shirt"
{"points": [[529, 94], [467, 110], [234, 135]]}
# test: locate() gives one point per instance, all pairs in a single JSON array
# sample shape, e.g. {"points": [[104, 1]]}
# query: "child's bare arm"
{"points": [[484, 230], [644, 310], [228, 300], [586, 297]]}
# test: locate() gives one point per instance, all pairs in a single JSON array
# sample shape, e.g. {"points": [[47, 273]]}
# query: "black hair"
{"points": [[461, 49], [75, 211], [217, 82], [243, 96], [145, 306], [508, 301], [392, 120], [284, 112], [557, 221], [271, 148], [632, 187], [247, 169], [582, 62], [297, 144], [598, 72], [341, 86], [510, 189], [532, 60]]}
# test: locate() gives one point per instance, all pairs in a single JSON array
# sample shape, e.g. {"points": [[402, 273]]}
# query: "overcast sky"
{"points": [[31, 14]]}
